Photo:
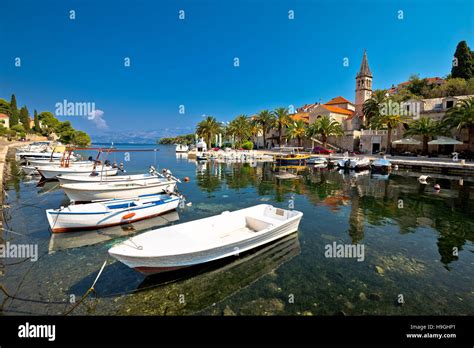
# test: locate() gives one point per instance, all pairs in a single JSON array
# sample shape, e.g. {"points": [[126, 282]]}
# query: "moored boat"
{"points": [[77, 217], [356, 163], [71, 179], [204, 240], [182, 148], [291, 159], [317, 161], [91, 191], [381, 165], [51, 172]]}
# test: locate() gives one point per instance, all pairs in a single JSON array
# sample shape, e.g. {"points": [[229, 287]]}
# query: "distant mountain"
{"points": [[137, 137]]}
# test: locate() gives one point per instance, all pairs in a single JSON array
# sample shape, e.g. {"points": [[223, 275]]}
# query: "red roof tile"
{"points": [[338, 100]]}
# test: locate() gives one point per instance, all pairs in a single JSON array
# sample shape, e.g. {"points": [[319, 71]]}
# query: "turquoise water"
{"points": [[407, 229]]}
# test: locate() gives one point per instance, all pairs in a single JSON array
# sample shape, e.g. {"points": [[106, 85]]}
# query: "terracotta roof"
{"points": [[338, 100], [338, 110], [4, 116], [300, 116]]}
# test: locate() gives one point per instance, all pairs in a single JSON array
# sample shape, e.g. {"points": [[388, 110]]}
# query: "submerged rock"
{"points": [[362, 296], [379, 270], [374, 297], [228, 311]]}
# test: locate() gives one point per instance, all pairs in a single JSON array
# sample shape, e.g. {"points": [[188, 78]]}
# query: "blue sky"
{"points": [[190, 62]]}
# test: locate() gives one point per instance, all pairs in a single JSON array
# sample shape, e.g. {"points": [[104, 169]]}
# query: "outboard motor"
{"points": [[107, 162], [114, 165], [347, 164], [121, 167], [91, 159]]}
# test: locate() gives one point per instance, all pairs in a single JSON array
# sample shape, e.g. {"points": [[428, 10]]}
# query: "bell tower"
{"points": [[363, 87]]}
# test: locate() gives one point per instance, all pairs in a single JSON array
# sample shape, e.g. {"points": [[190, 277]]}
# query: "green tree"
{"points": [[425, 127], [267, 120], [5, 107], [461, 116], [37, 128], [463, 65], [372, 106], [65, 132], [14, 113], [390, 118], [81, 138], [49, 122], [208, 128], [282, 120], [241, 129], [325, 127], [25, 118], [297, 130]]}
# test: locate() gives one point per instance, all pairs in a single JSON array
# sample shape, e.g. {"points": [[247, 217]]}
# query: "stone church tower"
{"points": [[363, 87]]}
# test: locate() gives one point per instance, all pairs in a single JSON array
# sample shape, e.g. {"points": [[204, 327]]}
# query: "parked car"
{"points": [[321, 150]]}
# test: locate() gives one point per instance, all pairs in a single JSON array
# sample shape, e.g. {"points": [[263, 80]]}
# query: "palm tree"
{"points": [[390, 122], [297, 130], [461, 116], [425, 127], [372, 106], [208, 128], [240, 127], [325, 127], [255, 129], [282, 119], [267, 121]]}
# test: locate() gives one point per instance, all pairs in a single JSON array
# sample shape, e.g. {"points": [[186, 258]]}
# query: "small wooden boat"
{"points": [[91, 216], [200, 241], [291, 159], [51, 172], [91, 191]]}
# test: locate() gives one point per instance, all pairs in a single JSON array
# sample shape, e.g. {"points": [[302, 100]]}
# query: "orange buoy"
{"points": [[128, 216], [186, 179]]}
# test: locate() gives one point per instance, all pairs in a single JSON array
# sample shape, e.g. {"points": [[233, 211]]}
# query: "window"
{"points": [[449, 104]]}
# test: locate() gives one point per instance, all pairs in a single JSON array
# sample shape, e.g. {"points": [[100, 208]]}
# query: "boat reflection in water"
{"points": [[209, 283], [62, 241]]}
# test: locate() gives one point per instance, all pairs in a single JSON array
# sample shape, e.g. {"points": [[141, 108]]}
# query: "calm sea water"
{"points": [[407, 229]]}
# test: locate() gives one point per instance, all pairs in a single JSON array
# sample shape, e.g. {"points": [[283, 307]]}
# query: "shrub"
{"points": [[248, 145]]}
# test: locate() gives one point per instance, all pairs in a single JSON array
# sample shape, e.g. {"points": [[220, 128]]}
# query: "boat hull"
{"points": [[156, 264], [119, 192], [52, 173], [71, 179], [64, 221]]}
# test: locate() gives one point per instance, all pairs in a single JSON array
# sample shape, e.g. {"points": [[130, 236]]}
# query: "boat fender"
{"points": [[186, 179], [437, 187], [128, 216]]}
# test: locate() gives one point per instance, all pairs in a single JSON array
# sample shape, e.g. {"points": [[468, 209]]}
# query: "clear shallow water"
{"points": [[412, 246]]}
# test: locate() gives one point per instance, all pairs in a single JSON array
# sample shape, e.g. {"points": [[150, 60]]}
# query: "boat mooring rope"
{"points": [[91, 289]]}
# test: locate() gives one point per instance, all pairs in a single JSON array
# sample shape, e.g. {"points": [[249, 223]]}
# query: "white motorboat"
{"points": [[354, 163], [29, 170], [205, 240], [71, 179], [317, 161], [51, 172], [91, 191], [381, 165], [182, 148], [37, 155], [91, 216], [56, 161]]}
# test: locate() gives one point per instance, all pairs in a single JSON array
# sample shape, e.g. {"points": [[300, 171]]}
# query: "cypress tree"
{"points": [[37, 124], [25, 118], [464, 64], [14, 114]]}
